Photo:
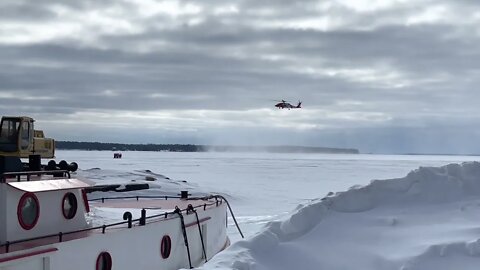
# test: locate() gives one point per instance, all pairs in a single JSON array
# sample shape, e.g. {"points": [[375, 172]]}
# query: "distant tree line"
{"points": [[281, 149], [70, 145]]}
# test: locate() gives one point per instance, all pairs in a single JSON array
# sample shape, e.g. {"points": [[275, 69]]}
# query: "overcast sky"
{"points": [[380, 76]]}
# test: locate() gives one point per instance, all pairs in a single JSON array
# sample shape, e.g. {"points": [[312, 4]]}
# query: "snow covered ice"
{"points": [[301, 211], [426, 220]]}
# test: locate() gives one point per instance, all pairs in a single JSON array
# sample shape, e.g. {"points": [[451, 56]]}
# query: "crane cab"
{"points": [[19, 138]]}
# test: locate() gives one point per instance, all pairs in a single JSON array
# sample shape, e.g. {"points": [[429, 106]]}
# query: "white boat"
{"points": [[45, 223]]}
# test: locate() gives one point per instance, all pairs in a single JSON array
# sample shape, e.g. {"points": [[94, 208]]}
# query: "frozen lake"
{"points": [[261, 187]]}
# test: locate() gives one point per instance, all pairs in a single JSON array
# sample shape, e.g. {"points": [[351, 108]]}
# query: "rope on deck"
{"points": [[190, 208], [231, 213], [179, 212]]}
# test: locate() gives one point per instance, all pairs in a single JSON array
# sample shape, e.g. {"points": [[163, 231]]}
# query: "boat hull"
{"points": [[138, 247]]}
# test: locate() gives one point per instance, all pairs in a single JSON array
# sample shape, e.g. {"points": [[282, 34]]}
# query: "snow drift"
{"points": [[429, 219]]}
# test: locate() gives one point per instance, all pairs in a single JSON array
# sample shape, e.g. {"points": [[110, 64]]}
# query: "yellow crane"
{"points": [[18, 138]]}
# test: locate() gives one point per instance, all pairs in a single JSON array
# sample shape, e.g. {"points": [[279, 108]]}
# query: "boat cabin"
{"points": [[32, 207]]}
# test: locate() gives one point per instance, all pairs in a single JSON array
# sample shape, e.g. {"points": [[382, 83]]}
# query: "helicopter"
{"points": [[286, 105]]}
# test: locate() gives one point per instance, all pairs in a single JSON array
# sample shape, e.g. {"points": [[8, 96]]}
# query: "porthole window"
{"points": [[166, 246], [69, 205], [28, 211], [104, 261]]}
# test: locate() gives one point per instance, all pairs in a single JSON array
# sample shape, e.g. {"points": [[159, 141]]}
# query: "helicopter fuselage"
{"points": [[286, 105]]}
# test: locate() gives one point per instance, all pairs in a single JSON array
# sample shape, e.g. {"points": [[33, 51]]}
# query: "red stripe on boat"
{"points": [[26, 255]]}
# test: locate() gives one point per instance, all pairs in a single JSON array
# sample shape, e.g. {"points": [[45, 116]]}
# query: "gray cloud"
{"points": [[364, 72]]}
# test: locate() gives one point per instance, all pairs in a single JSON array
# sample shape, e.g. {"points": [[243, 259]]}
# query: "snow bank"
{"points": [[429, 219]]}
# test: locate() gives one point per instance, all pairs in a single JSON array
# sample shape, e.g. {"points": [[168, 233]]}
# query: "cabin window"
{"points": [[166, 246], [69, 205], [9, 130], [104, 261], [25, 135], [28, 211]]}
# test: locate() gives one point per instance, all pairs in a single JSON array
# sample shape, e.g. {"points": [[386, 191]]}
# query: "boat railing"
{"points": [[166, 197], [184, 195], [7, 246], [21, 175]]}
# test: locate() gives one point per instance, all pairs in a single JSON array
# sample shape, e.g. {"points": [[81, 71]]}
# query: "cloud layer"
{"points": [[381, 76]]}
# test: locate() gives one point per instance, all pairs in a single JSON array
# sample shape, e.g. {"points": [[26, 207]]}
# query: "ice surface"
{"points": [[315, 211], [426, 220]]}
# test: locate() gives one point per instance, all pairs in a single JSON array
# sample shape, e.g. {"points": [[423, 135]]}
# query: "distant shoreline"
{"points": [[71, 145]]}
